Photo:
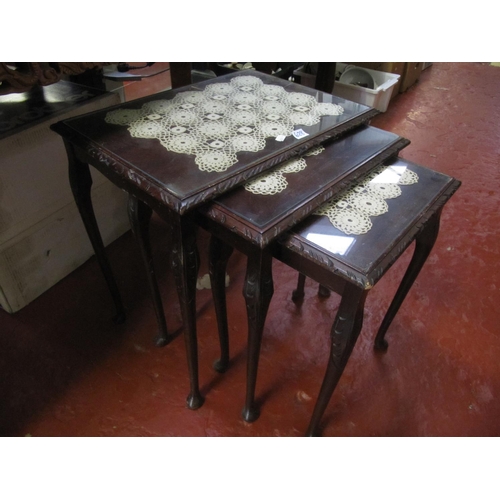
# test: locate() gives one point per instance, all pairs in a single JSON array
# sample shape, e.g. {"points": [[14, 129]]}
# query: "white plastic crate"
{"points": [[377, 98]]}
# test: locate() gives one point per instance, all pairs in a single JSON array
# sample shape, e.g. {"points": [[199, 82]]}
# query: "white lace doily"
{"points": [[292, 166], [270, 184], [348, 220], [223, 119], [350, 212], [315, 151], [366, 202], [408, 177], [275, 182]]}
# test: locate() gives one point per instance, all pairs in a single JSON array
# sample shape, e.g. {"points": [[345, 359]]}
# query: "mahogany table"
{"points": [[352, 264], [176, 150], [252, 222], [347, 246]]}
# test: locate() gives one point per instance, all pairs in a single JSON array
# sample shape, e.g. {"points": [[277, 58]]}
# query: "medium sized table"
{"points": [[252, 223]]}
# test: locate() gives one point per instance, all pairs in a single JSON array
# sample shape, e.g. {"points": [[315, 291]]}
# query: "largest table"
{"points": [[176, 150]]}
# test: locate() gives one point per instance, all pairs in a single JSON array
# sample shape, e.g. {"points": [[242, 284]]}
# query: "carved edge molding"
{"points": [[129, 176], [263, 238], [368, 281], [157, 191], [382, 266], [242, 177], [121, 174]]}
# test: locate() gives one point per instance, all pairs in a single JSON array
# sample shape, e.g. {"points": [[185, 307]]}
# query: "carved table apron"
{"points": [[175, 150]]}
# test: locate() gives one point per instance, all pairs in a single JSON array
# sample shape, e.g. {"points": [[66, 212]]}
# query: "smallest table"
{"points": [[347, 246]]}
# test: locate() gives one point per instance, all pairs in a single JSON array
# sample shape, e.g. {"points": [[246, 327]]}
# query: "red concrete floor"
{"points": [[67, 370]]}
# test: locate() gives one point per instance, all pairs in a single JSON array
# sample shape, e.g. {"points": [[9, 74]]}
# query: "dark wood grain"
{"points": [[369, 257], [174, 178], [261, 218]]}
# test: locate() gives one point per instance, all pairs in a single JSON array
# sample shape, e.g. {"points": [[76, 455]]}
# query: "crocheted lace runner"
{"points": [[351, 210], [223, 119]]}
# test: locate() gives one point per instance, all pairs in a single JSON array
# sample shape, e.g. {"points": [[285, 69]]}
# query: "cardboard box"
{"points": [[410, 75], [42, 238]]}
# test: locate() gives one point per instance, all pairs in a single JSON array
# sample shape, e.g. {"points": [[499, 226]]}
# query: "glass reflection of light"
{"points": [[336, 244], [52, 96], [387, 176], [391, 174], [21, 97]]}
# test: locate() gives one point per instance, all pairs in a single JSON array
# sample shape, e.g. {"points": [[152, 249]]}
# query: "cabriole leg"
{"points": [[81, 184], [423, 246], [139, 216], [258, 291], [298, 293], [344, 333], [219, 253], [185, 265]]}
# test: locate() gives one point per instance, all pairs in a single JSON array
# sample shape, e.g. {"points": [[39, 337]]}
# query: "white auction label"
{"points": [[298, 134]]}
